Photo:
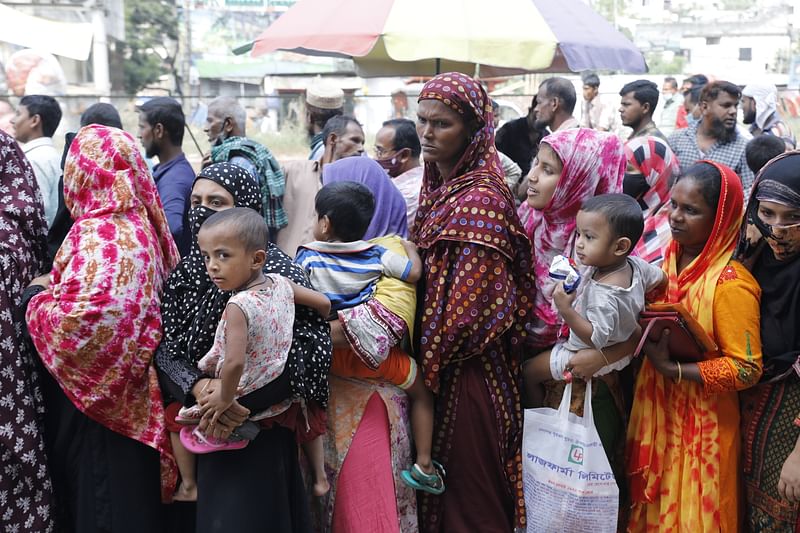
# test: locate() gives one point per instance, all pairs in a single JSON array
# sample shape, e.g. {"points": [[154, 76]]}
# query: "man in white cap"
{"points": [[323, 102], [760, 108]]}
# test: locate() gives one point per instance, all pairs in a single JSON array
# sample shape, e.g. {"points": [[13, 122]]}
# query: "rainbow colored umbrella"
{"points": [[421, 37]]}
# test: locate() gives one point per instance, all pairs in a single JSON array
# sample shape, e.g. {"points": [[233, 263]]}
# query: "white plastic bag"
{"points": [[568, 482]]}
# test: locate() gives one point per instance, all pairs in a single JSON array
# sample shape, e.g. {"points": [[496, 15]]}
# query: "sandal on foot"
{"points": [[189, 416], [417, 479], [196, 442]]}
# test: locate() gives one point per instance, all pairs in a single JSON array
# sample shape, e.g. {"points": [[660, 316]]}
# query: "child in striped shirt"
{"points": [[346, 269]]}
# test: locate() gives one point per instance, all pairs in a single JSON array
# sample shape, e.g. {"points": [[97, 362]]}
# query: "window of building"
{"points": [[712, 40], [745, 54]]}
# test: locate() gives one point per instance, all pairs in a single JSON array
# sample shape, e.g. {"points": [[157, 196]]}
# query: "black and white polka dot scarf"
{"points": [[192, 305]]}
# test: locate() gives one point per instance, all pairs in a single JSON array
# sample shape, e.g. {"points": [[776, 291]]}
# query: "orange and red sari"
{"points": [[683, 438]]}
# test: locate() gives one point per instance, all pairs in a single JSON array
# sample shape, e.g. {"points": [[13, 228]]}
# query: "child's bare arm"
{"points": [[416, 261], [310, 298], [235, 348], [577, 324]]}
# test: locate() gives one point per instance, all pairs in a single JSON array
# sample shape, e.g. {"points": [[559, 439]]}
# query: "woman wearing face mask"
{"points": [[771, 409], [237, 489], [651, 167]]}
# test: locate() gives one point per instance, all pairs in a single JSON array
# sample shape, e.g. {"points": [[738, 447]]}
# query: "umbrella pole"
{"points": [[438, 66]]}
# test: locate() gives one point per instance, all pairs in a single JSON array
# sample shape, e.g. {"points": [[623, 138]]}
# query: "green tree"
{"points": [[151, 42], [657, 65]]}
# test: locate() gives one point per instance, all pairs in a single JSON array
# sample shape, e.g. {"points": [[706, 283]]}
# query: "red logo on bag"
{"points": [[576, 454]]}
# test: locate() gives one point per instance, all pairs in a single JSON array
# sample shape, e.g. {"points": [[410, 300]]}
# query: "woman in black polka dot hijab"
{"points": [[192, 304], [238, 488]]}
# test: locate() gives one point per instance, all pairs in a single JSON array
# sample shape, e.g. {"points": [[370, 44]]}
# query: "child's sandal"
{"points": [[417, 479]]}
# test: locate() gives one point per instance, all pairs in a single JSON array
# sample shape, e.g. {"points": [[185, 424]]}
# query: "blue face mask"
{"points": [[691, 120]]}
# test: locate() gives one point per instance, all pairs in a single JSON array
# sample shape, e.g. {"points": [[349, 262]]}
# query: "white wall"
{"points": [[722, 59]]}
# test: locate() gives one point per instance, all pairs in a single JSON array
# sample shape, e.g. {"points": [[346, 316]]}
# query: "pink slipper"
{"points": [[194, 441]]}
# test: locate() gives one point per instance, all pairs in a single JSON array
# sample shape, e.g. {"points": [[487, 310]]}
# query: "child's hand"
{"points": [[215, 405], [563, 300], [586, 363]]}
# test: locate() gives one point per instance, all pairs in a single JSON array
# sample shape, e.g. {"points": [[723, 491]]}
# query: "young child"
{"points": [[346, 269], [610, 297], [253, 337]]}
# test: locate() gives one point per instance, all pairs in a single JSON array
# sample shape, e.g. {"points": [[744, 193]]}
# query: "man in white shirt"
{"points": [[35, 122], [397, 150], [672, 101]]}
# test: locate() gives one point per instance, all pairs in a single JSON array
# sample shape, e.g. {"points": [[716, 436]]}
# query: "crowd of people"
{"points": [[349, 344]]}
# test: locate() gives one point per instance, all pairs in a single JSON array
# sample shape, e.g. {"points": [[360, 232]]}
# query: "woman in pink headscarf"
{"points": [[571, 166], [95, 324]]}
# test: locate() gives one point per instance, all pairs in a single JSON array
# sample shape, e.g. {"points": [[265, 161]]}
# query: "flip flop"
{"points": [[196, 442], [417, 479]]}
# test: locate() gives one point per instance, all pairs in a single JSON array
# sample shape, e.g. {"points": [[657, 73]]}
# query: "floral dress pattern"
{"points": [[270, 318], [26, 491]]}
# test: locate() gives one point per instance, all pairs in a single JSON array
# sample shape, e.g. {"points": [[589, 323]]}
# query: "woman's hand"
{"points": [[215, 405], [585, 363], [43, 281], [789, 482], [201, 389], [227, 421], [658, 354]]}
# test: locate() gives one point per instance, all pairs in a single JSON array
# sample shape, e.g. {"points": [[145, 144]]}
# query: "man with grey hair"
{"points": [[225, 128], [555, 103]]}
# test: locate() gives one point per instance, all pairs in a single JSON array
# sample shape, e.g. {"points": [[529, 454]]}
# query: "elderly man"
{"points": [[342, 137], [715, 137], [323, 102], [555, 103], [760, 107], [225, 128]]}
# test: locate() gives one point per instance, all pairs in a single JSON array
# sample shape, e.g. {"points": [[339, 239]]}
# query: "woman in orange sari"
{"points": [[683, 437]]}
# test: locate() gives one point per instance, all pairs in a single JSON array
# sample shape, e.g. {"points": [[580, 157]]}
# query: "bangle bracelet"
{"points": [[680, 373], [604, 357]]}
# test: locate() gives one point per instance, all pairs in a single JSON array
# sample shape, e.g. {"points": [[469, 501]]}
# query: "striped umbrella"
{"points": [[422, 37]]}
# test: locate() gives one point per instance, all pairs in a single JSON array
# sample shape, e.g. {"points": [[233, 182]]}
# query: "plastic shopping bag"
{"points": [[568, 482]]}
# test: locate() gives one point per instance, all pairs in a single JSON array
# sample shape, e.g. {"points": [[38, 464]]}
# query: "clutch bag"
{"points": [[688, 341]]}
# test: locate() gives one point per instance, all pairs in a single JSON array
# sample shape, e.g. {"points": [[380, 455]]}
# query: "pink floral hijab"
{"points": [[98, 324], [593, 163]]}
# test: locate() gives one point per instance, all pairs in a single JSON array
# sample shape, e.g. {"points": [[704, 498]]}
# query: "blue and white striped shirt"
{"points": [[346, 272]]}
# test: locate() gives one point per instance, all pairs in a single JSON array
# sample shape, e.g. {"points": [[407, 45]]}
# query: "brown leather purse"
{"points": [[688, 341]]}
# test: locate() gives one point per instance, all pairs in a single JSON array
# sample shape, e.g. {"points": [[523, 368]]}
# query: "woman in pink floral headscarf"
{"points": [[572, 165], [96, 325]]}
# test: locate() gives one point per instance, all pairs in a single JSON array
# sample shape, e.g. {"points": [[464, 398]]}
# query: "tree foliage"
{"points": [[151, 42]]}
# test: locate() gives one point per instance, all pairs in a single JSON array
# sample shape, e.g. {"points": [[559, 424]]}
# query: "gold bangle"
{"points": [[680, 373], [604, 357]]}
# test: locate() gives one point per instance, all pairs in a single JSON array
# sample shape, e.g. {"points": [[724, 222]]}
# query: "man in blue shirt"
{"points": [[161, 125]]}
